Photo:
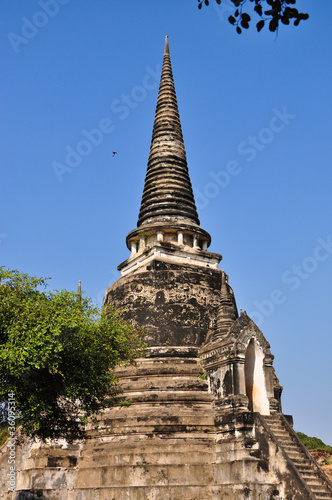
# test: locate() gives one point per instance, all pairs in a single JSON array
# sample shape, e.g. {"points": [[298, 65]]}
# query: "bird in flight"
{"points": [[114, 153]]}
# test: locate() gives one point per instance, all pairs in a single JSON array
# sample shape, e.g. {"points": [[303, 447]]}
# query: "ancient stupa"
{"points": [[204, 418]]}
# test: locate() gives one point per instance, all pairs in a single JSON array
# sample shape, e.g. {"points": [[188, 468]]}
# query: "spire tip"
{"points": [[166, 51]]}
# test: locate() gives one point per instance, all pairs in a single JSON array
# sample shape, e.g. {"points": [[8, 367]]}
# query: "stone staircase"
{"points": [[317, 484]]}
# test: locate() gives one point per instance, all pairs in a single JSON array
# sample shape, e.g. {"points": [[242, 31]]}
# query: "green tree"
{"points": [[270, 13], [313, 443], [58, 353]]}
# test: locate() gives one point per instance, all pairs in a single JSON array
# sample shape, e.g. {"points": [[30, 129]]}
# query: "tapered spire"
{"points": [[227, 313], [168, 224], [168, 195]]}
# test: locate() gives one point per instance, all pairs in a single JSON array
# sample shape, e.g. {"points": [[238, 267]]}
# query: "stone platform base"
{"points": [[165, 440]]}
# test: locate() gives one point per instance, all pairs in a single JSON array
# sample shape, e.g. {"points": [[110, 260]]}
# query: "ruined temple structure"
{"points": [[204, 418]]}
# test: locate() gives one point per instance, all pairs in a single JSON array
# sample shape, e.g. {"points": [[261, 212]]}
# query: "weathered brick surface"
{"points": [[178, 305]]}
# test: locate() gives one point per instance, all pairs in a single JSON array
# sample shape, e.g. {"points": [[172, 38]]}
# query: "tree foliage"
{"points": [[313, 443], [270, 12], [58, 353]]}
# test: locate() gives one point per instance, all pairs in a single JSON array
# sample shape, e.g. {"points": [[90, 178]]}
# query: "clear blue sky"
{"points": [[256, 119]]}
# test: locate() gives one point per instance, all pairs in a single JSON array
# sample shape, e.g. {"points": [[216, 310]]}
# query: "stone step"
{"points": [[174, 492], [317, 486], [276, 425], [313, 481], [289, 448], [139, 416], [105, 459], [305, 467], [116, 445], [161, 366], [286, 439], [294, 454], [158, 396], [140, 419], [305, 462], [141, 423], [152, 409], [279, 430], [302, 467], [139, 459], [94, 479], [320, 492], [311, 473], [289, 443], [178, 431], [199, 474], [184, 383], [281, 435], [293, 457]]}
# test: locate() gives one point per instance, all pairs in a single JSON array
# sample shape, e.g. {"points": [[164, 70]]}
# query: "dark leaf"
{"points": [[199, 5], [232, 19], [273, 24], [218, 2], [258, 9], [289, 12], [246, 17], [260, 25], [206, 2], [236, 13], [238, 29], [244, 24]]}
